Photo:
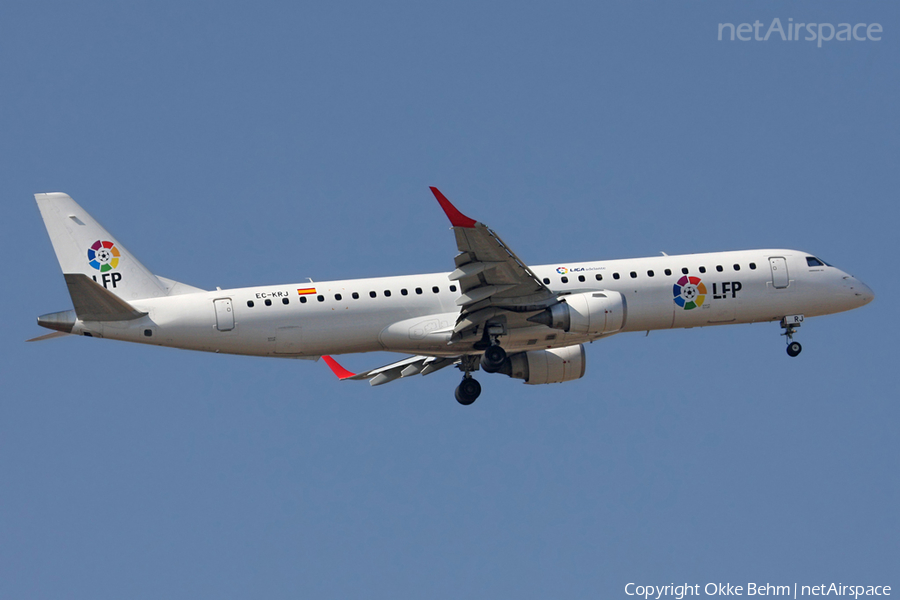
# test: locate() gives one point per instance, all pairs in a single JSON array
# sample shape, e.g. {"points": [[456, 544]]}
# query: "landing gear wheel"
{"points": [[468, 391], [493, 359], [790, 324]]}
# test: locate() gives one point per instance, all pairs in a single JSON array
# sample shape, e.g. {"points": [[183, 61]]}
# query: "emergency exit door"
{"points": [[780, 277], [224, 314]]}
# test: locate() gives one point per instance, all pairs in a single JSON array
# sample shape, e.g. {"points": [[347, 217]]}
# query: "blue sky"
{"points": [[229, 144]]}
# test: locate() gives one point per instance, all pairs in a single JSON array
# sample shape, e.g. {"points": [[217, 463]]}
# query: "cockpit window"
{"points": [[812, 261]]}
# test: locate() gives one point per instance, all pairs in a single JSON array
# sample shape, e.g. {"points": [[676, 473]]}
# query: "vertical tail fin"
{"points": [[84, 247]]}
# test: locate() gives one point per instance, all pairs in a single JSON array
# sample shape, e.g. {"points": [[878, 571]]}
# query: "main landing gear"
{"points": [[492, 361], [493, 358], [468, 390], [790, 325]]}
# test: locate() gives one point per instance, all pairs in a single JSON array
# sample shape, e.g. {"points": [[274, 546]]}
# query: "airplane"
{"points": [[492, 312]]}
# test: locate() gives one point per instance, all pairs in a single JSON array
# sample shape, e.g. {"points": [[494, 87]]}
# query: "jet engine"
{"points": [[546, 366], [591, 313]]}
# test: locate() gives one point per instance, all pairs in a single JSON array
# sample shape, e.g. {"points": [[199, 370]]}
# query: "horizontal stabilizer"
{"points": [[93, 302], [48, 336]]}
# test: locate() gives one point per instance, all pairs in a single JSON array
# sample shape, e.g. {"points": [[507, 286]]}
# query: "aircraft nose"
{"points": [[861, 292], [867, 294]]}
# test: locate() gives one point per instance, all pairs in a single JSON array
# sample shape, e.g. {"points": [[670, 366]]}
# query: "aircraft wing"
{"points": [[491, 277], [492, 281], [414, 365]]}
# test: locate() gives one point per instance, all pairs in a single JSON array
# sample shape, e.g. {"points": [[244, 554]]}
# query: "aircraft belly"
{"points": [[321, 334], [288, 339], [191, 324], [422, 334]]}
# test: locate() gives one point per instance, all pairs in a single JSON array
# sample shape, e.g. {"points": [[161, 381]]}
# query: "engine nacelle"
{"points": [[547, 366], [591, 313]]}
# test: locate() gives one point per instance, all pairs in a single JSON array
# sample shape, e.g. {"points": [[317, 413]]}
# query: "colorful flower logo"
{"points": [[562, 270], [103, 256], [689, 292]]}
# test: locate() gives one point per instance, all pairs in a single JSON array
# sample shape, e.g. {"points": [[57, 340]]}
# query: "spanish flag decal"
{"points": [[305, 291]]}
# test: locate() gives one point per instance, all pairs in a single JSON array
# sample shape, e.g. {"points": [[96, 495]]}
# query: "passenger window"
{"points": [[546, 281], [387, 293], [814, 262], [719, 268], [615, 275], [356, 295], [581, 278], [737, 267], [752, 266], [668, 272], [703, 269], [649, 273], [372, 294], [337, 297], [633, 275], [564, 279], [684, 270], [320, 298], [268, 302], [598, 277], [302, 299], [404, 292], [285, 301], [250, 303], [435, 289], [418, 290], [452, 288]]}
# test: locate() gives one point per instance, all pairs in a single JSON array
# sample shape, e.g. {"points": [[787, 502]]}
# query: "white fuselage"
{"points": [[415, 314]]}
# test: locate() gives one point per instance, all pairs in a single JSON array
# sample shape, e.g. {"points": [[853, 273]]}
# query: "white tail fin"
{"points": [[84, 247]]}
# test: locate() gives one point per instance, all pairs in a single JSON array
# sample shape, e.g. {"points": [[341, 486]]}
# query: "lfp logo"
{"points": [[562, 270], [103, 256], [689, 292]]}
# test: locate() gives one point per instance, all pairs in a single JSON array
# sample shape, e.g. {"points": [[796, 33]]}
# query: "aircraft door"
{"points": [[224, 314], [779, 272]]}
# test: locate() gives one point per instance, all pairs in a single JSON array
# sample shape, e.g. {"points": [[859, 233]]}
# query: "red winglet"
{"points": [[337, 369], [457, 219]]}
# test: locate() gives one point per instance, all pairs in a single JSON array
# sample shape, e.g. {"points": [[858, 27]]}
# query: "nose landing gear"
{"points": [[790, 325]]}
